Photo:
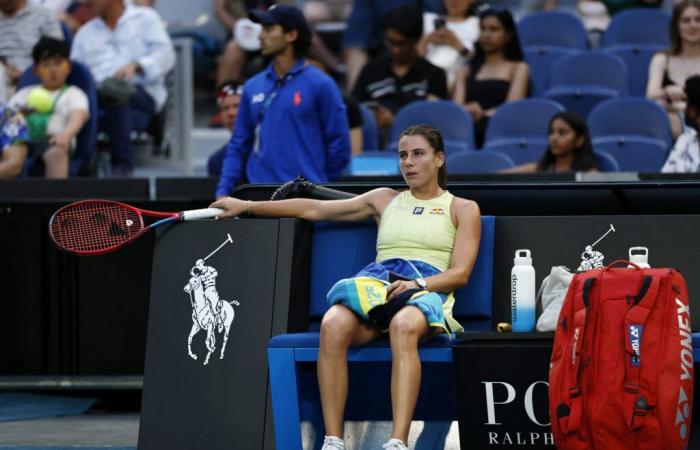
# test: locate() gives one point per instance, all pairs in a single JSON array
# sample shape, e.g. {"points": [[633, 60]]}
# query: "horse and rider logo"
{"points": [[209, 312]]}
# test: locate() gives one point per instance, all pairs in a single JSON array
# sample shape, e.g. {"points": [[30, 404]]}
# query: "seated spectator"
{"points": [[363, 31], [53, 133], [240, 49], [669, 69], [447, 41], [13, 142], [129, 53], [78, 14], [391, 82], [685, 155], [228, 100], [569, 148], [495, 75], [21, 27]]}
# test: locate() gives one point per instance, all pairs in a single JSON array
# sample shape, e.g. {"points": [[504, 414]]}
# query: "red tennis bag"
{"points": [[621, 374]]}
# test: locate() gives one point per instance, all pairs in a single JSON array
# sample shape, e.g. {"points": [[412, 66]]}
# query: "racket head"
{"points": [[95, 227]]}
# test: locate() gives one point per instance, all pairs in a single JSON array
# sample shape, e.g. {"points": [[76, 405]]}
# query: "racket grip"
{"points": [[206, 213]]}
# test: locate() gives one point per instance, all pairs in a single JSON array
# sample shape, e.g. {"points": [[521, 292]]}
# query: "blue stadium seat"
{"points": [[637, 58], [521, 121], [624, 118], [80, 76], [641, 26], [545, 37], [518, 152], [375, 163], [452, 120], [581, 81], [606, 162], [634, 154], [635, 35], [540, 60], [485, 161], [552, 29], [370, 132]]}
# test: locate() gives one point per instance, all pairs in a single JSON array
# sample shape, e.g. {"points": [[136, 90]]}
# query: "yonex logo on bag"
{"points": [[636, 343], [686, 355], [574, 346]]}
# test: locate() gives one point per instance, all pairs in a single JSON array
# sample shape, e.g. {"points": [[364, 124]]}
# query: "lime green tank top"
{"points": [[417, 229]]}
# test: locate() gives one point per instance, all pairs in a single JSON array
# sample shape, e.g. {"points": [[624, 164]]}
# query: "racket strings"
{"points": [[94, 226]]}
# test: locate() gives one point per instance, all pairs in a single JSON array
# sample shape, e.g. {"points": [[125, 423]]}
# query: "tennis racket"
{"points": [[95, 227]]}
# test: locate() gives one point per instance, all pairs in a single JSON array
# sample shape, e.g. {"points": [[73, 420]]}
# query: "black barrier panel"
{"points": [[502, 400], [560, 241], [198, 189], [73, 189], [196, 395]]}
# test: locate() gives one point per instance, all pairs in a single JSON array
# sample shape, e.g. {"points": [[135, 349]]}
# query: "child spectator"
{"points": [[13, 138], [54, 131], [495, 75], [685, 155], [447, 41], [228, 99], [569, 148], [669, 69]]}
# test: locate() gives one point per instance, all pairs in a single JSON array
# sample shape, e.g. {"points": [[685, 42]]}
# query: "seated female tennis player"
{"points": [[427, 244]]}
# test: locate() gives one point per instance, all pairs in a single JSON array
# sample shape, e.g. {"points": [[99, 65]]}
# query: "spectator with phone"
{"points": [[496, 74], [391, 82], [447, 41]]}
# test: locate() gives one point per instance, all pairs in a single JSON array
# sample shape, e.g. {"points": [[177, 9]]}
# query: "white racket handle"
{"points": [[206, 213]]}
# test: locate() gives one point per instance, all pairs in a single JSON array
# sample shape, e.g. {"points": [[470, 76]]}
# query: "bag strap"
{"points": [[572, 421], [55, 100], [636, 401]]}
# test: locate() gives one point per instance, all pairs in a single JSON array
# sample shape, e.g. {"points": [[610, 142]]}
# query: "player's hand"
{"points": [[399, 286], [232, 207]]}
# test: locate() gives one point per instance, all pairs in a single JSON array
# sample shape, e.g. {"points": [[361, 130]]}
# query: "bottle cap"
{"points": [[639, 256], [522, 257]]}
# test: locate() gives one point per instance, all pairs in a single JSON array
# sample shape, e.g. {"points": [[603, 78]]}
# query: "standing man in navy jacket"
{"points": [[292, 119]]}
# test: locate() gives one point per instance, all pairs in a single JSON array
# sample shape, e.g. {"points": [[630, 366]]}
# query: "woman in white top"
{"points": [[669, 69], [448, 41]]}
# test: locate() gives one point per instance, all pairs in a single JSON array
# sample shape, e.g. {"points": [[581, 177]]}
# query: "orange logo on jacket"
{"points": [[297, 98], [438, 211]]}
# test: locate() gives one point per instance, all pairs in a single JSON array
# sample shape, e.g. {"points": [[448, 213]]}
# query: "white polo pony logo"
{"points": [[209, 312]]}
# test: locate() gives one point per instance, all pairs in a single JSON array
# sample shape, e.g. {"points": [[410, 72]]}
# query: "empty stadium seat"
{"points": [[545, 37], [634, 155], [374, 163], [452, 120], [582, 80], [370, 132], [641, 26], [606, 162], [521, 121], [486, 161], [519, 152], [552, 29], [635, 35], [624, 118], [540, 60]]}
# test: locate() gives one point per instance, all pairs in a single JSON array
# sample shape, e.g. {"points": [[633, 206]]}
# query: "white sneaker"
{"points": [[395, 444], [333, 443]]}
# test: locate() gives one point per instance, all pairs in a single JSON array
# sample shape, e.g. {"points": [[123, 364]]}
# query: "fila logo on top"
{"points": [[683, 411]]}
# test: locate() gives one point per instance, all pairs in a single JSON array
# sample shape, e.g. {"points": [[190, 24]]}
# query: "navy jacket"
{"points": [[303, 130]]}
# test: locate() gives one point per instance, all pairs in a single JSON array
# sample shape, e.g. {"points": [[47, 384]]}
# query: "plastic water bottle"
{"points": [[639, 256], [522, 292]]}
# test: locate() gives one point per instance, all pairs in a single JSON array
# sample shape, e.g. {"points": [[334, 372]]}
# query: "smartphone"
{"points": [[439, 23]]}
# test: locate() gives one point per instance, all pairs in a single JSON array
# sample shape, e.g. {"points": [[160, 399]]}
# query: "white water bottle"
{"points": [[522, 292], [639, 256]]}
